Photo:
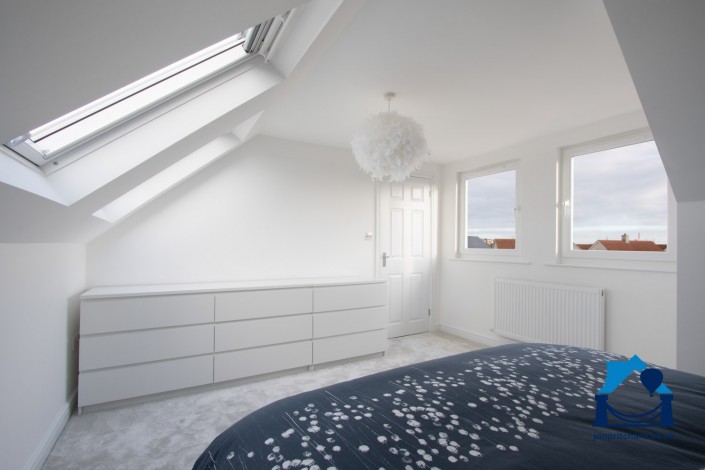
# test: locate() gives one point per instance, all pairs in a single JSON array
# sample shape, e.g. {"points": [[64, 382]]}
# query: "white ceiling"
{"points": [[478, 75]]}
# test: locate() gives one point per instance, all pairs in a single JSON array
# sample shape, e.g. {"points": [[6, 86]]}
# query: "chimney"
{"points": [[625, 238]]}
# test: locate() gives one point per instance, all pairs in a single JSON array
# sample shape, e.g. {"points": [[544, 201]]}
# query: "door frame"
{"points": [[432, 177]]}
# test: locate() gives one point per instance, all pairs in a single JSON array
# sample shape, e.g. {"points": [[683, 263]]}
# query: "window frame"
{"points": [[175, 80], [462, 252], [564, 205]]}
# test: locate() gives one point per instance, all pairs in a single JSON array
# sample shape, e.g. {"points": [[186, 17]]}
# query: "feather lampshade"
{"points": [[390, 146]]}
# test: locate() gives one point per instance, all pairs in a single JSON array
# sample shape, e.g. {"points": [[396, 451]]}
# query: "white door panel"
{"points": [[405, 245]]}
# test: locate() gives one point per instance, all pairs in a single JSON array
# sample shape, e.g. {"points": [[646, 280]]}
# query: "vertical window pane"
{"points": [[620, 196], [490, 211]]}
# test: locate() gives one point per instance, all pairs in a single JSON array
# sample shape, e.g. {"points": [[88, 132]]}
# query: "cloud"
{"points": [[622, 190], [491, 200]]}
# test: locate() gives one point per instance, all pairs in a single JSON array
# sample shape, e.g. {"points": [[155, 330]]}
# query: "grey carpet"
{"points": [[170, 433]]}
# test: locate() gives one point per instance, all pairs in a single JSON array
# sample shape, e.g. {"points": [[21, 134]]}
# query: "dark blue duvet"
{"points": [[514, 406]]}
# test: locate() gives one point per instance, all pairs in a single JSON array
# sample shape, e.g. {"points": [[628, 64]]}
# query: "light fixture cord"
{"points": [[389, 96]]}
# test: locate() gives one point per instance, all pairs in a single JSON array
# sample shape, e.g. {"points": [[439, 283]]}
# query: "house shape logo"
{"points": [[651, 379]]}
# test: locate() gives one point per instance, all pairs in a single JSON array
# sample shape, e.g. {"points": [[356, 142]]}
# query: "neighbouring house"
{"points": [[504, 244], [619, 245], [476, 242]]}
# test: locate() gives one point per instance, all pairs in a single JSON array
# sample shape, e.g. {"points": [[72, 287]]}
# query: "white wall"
{"points": [[661, 45], [39, 288], [272, 209], [641, 306], [691, 295]]}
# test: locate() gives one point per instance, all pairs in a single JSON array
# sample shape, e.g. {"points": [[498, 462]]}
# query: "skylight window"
{"points": [[48, 142]]}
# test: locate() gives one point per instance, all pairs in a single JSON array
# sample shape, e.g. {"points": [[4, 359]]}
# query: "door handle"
{"points": [[384, 259]]}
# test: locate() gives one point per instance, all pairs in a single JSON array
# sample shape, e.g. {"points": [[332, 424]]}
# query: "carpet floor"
{"points": [[170, 433]]}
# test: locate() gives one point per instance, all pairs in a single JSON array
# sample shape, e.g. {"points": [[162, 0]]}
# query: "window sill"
{"points": [[666, 268]]}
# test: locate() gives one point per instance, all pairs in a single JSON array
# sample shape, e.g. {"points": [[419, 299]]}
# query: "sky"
{"points": [[616, 191], [491, 201], [623, 190]]}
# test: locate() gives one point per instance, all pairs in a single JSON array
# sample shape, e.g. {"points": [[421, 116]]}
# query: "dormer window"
{"points": [[616, 202], [488, 221], [54, 139]]}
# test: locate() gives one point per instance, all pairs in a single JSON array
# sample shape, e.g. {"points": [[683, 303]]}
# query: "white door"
{"points": [[405, 253]]}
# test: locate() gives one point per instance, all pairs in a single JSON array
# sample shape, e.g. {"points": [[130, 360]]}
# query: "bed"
{"points": [[512, 406]]}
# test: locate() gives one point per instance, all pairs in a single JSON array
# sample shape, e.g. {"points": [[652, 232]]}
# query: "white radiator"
{"points": [[549, 313]]}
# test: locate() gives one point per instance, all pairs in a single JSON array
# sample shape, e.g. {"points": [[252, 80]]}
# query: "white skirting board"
{"points": [[474, 337], [43, 449]]}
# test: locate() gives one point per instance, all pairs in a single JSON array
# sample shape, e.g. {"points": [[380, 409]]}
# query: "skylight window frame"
{"points": [[137, 87], [251, 42]]}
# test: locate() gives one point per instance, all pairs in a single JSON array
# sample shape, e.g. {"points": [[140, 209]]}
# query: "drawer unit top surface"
{"points": [[216, 287]]}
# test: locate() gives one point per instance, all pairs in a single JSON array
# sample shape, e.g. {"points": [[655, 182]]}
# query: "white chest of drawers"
{"points": [[144, 340]]}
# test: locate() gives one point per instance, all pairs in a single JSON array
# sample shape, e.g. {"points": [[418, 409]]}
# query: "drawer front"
{"points": [[349, 321], [343, 347], [251, 362], [262, 303], [349, 297], [134, 313], [253, 333], [128, 382], [135, 347]]}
